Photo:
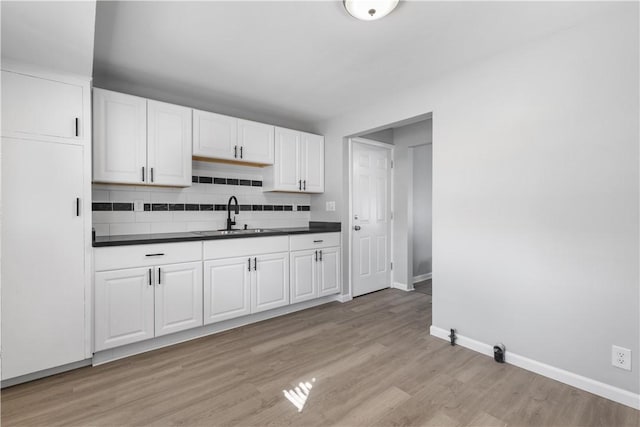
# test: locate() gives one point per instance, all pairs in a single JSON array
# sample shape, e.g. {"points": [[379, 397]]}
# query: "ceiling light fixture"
{"points": [[369, 10]]}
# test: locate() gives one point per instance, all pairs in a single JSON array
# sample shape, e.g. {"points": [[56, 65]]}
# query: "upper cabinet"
{"points": [[139, 141], [219, 137], [256, 142], [168, 144], [42, 109], [299, 163]]}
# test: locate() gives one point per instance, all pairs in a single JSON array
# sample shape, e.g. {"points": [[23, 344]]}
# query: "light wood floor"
{"points": [[373, 361]]}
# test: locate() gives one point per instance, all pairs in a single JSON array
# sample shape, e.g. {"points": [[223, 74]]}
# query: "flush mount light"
{"points": [[369, 10]]}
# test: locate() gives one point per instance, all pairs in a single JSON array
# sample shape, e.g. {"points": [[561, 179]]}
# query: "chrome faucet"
{"points": [[231, 223]]}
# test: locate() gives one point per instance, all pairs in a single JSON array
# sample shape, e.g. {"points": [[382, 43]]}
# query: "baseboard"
{"points": [[343, 298], [45, 373], [402, 286], [421, 277], [578, 381], [112, 354]]}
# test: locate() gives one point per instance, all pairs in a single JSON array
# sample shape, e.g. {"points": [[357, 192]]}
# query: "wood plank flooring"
{"points": [[372, 359]]}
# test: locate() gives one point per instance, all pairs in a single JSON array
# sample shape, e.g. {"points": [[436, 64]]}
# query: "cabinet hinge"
{"points": [[391, 164], [392, 266]]}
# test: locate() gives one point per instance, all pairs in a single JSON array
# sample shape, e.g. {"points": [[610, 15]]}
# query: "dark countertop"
{"points": [[143, 239]]}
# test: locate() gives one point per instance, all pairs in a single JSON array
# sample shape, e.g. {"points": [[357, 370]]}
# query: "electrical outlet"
{"points": [[621, 357], [138, 205], [331, 206]]}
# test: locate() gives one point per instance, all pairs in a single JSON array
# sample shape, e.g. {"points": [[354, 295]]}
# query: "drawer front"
{"points": [[116, 257], [247, 246], [313, 241]]}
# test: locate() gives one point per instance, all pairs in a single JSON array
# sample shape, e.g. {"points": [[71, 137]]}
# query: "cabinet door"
{"points": [[43, 247], [270, 284], [286, 168], [123, 307], [215, 136], [329, 271], [168, 144], [41, 109], [304, 283], [312, 162], [226, 289], [178, 297], [256, 140], [119, 138]]}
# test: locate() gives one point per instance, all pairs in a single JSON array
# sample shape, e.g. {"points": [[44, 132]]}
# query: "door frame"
{"points": [[389, 147]]}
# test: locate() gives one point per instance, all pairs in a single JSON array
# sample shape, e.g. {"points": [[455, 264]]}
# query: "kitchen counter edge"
{"points": [[193, 236]]}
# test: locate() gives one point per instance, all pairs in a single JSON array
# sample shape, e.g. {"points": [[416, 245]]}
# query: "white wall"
{"points": [[422, 156], [535, 196]]}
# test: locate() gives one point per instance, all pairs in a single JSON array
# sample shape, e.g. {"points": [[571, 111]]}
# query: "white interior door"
{"points": [[371, 264]]}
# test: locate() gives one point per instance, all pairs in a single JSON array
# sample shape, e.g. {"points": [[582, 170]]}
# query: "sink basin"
{"points": [[228, 232]]}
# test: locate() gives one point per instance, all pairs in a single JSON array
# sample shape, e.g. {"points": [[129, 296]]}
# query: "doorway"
{"points": [[410, 198], [370, 215]]}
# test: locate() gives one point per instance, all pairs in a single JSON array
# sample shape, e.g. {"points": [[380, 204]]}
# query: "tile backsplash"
{"points": [[203, 206]]}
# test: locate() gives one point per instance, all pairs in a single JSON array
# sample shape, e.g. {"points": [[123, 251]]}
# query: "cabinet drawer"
{"points": [[116, 257], [313, 241], [228, 248]]}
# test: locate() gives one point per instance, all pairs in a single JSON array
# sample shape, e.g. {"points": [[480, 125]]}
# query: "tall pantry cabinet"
{"points": [[46, 222]]}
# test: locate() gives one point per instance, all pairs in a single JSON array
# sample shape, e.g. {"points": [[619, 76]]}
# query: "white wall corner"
{"points": [[421, 277], [402, 286], [578, 381]]}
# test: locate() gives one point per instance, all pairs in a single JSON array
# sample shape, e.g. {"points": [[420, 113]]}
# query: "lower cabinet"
{"points": [[235, 287], [314, 273], [136, 304]]}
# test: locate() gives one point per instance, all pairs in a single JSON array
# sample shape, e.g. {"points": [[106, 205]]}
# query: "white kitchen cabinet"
{"points": [[119, 138], [255, 142], [312, 162], [315, 266], [227, 288], [178, 297], [169, 144], [140, 141], [329, 271], [43, 255], [42, 109], [304, 275], [124, 307], [299, 165], [270, 282], [146, 291], [215, 136], [286, 169]]}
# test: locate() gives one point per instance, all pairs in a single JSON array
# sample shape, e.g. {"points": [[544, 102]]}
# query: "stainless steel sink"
{"points": [[227, 232]]}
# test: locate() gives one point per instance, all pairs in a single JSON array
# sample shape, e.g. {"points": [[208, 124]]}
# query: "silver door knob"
{"points": [[357, 228]]}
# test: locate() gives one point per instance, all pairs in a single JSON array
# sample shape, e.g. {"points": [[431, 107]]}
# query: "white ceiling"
{"points": [[57, 36], [306, 61]]}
